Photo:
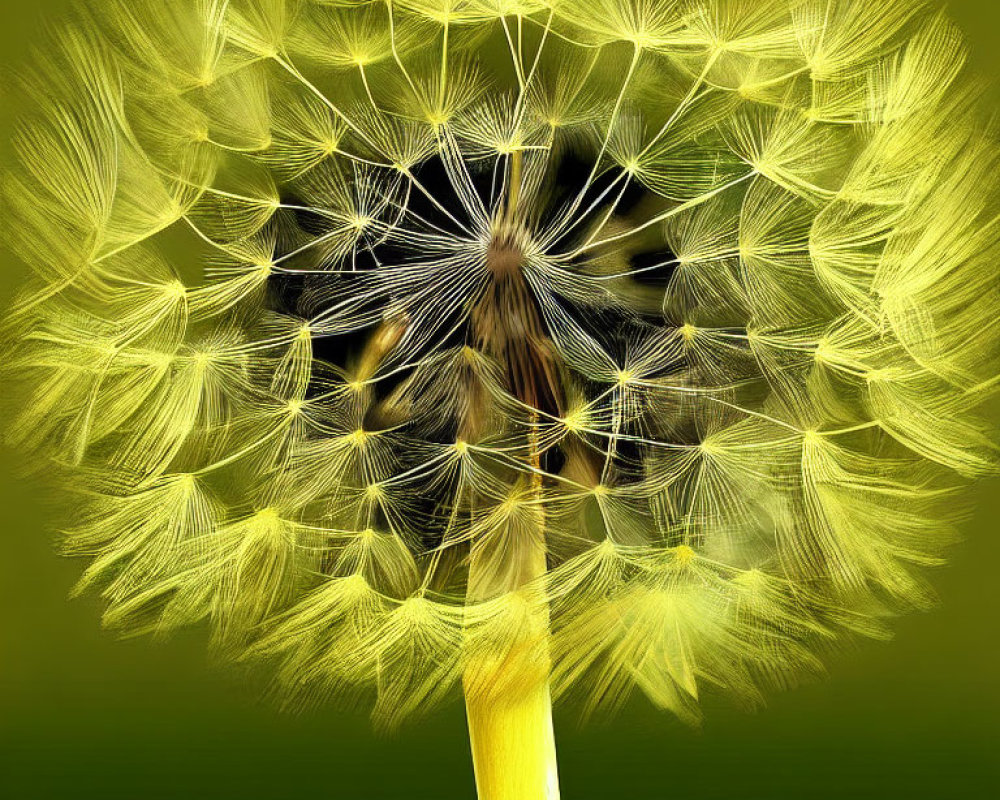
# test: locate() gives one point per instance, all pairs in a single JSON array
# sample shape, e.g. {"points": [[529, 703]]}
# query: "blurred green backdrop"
{"points": [[83, 715]]}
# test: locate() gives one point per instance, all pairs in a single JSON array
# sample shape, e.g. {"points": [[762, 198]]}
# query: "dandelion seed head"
{"points": [[656, 329]]}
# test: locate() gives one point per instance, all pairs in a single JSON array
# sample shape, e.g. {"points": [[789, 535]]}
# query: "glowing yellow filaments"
{"points": [[535, 350]]}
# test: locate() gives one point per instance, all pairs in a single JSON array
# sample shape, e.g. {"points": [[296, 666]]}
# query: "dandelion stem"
{"points": [[513, 743], [507, 699]]}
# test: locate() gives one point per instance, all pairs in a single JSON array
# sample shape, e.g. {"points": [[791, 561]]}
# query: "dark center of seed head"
{"points": [[507, 324], [505, 254]]}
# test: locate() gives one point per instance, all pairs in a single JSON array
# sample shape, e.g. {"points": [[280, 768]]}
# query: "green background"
{"points": [[85, 715]]}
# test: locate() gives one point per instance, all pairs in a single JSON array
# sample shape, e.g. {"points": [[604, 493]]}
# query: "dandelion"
{"points": [[527, 349]]}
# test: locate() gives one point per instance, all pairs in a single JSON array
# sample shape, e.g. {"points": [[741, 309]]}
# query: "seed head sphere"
{"points": [[523, 348]]}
